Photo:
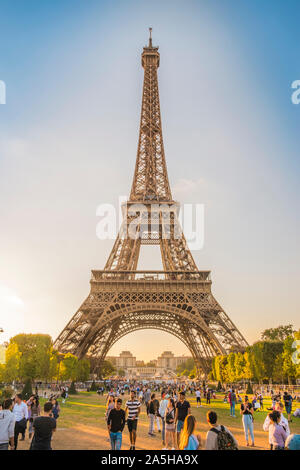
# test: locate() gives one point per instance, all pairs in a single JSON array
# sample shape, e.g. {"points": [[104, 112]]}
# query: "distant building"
{"points": [[123, 361], [164, 366], [168, 361]]}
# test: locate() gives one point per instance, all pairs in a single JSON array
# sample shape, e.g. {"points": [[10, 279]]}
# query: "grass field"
{"points": [[81, 424]]}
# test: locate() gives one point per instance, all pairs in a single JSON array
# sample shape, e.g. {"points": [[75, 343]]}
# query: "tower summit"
{"points": [[150, 181], [178, 299]]}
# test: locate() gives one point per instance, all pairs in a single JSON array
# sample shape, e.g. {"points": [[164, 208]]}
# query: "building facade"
{"points": [[163, 367]]}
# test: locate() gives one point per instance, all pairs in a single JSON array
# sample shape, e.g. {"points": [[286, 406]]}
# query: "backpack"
{"points": [[170, 417], [225, 440]]}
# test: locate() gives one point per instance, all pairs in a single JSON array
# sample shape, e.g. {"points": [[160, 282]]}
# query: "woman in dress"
{"points": [[170, 424], [188, 439], [35, 411]]}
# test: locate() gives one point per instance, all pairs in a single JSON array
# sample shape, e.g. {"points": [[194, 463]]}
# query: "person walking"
{"points": [[183, 408], [43, 426], [152, 413], [282, 422], [162, 412], [133, 408], [55, 408], [35, 411], [147, 398], [208, 396], [277, 433], [288, 401], [219, 437], [7, 425], [115, 424], [110, 404], [20, 411], [170, 424], [232, 402], [188, 439], [247, 417], [198, 397]]}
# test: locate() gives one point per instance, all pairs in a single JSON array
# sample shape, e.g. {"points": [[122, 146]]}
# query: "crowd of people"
{"points": [[17, 416], [172, 416], [168, 410]]}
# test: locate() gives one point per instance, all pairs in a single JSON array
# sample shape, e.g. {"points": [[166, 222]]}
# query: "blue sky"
{"points": [[68, 138]]}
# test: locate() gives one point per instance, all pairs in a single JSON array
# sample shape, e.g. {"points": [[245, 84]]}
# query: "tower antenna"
{"points": [[150, 37]]}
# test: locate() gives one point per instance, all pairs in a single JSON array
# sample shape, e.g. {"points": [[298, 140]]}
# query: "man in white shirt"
{"points": [[198, 396], [7, 425], [20, 412], [283, 422], [162, 411]]}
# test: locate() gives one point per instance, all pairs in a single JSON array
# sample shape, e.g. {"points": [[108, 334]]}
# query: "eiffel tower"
{"points": [[178, 299]]}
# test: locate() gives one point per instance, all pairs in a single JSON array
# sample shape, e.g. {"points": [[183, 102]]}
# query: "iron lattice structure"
{"points": [[178, 299]]}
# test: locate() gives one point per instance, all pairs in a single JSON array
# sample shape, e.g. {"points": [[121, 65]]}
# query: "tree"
{"points": [[106, 369], [72, 389], [2, 373], [54, 365], [264, 356], [12, 362], [34, 357], [188, 366], [93, 387], [27, 390], [277, 334], [223, 369], [83, 370], [230, 367], [239, 362], [6, 392], [69, 367], [290, 368], [249, 364], [219, 386], [121, 373], [213, 369], [217, 370]]}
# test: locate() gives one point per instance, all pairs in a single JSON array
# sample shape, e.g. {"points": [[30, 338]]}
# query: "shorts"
{"points": [[179, 425], [132, 424], [198, 399]]}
